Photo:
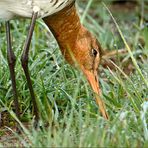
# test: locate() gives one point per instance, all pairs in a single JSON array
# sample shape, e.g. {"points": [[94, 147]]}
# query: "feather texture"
{"points": [[10, 9]]}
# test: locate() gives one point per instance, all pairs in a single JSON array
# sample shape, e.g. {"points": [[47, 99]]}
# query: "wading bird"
{"points": [[77, 44]]}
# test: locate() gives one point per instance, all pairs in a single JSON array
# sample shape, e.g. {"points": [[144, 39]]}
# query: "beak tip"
{"points": [[93, 80]]}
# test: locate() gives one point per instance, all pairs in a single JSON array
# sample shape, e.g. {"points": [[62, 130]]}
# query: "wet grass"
{"points": [[64, 96]]}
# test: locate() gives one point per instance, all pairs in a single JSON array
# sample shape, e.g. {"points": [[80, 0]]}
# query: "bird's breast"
{"points": [[24, 8]]}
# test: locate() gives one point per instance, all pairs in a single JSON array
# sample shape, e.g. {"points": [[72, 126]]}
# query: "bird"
{"points": [[79, 47]]}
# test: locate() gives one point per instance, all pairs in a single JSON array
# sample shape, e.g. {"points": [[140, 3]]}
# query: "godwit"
{"points": [[77, 44]]}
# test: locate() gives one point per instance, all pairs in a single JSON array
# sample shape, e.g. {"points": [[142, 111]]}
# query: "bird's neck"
{"points": [[66, 27]]}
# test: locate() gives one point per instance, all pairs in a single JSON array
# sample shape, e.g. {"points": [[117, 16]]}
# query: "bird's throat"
{"points": [[65, 26]]}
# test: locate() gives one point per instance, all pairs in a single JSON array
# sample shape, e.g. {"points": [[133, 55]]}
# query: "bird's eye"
{"points": [[94, 52]]}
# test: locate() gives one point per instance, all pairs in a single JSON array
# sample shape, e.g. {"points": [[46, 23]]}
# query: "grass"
{"points": [[64, 96]]}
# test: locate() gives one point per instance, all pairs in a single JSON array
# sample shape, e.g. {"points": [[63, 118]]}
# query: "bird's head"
{"points": [[86, 53]]}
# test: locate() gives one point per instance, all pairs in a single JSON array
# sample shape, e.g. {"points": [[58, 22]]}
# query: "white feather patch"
{"points": [[25, 8]]}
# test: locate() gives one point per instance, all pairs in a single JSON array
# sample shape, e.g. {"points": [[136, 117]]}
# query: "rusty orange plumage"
{"points": [[77, 45]]}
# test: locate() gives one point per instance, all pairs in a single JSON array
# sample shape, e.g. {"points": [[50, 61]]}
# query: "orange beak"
{"points": [[93, 80]]}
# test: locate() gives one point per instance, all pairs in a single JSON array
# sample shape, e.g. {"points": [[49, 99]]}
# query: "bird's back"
{"points": [[24, 8]]}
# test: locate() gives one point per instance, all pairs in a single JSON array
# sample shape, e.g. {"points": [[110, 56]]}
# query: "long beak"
{"points": [[93, 80]]}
